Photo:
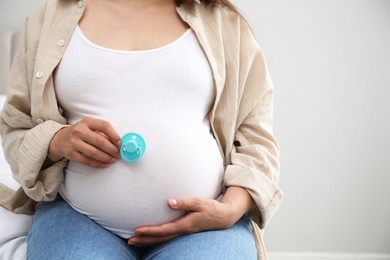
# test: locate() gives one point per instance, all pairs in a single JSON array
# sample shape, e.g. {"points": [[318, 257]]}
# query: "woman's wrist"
{"points": [[53, 153], [238, 201]]}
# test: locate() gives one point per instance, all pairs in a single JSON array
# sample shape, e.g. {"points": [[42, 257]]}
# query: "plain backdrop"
{"points": [[330, 63]]}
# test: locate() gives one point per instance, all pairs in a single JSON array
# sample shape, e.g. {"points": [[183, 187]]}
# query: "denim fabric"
{"points": [[60, 232]]}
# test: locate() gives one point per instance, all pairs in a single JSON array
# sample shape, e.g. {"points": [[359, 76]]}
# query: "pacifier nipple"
{"points": [[133, 147], [130, 146]]}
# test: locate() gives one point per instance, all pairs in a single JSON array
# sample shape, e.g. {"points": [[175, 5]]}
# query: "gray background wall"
{"points": [[330, 62]]}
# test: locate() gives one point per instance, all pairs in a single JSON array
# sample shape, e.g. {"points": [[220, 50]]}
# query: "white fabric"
{"points": [[13, 227], [164, 94], [13, 234]]}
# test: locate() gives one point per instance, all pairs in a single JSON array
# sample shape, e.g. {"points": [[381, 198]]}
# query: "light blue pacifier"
{"points": [[133, 147]]}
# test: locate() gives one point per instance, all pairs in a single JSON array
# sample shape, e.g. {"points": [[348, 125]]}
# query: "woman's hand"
{"points": [[202, 214], [92, 142]]}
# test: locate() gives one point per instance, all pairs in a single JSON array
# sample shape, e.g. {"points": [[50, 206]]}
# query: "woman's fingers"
{"points": [[91, 131], [85, 160], [96, 146], [157, 234], [98, 154], [192, 204], [148, 241], [177, 227], [202, 214], [105, 129], [92, 142]]}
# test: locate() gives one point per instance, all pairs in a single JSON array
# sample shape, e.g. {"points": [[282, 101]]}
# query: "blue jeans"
{"points": [[60, 232]]}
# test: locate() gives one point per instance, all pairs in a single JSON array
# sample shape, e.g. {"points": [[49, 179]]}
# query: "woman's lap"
{"points": [[60, 232], [229, 244]]}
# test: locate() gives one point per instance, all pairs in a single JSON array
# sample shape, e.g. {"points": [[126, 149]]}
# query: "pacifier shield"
{"points": [[133, 147]]}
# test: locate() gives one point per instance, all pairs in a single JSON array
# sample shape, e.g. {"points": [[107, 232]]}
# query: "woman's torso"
{"points": [[165, 95]]}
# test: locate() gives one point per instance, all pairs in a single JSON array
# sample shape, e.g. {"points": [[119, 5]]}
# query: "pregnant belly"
{"points": [[125, 195]]}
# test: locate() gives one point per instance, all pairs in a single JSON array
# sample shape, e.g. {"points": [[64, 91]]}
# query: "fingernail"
{"points": [[172, 202], [138, 233], [104, 165], [113, 160], [119, 143]]}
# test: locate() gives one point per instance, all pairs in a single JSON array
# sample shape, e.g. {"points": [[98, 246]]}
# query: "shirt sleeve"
{"points": [[254, 157], [25, 140]]}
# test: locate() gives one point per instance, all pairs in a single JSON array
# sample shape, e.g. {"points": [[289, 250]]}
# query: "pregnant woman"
{"points": [[188, 77]]}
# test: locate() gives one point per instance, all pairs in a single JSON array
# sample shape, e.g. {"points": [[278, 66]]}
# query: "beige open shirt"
{"points": [[241, 117]]}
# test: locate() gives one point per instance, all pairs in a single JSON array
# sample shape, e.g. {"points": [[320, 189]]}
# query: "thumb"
{"points": [[185, 204]]}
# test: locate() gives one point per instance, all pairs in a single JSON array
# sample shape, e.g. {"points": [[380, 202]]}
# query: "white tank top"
{"points": [[165, 95]]}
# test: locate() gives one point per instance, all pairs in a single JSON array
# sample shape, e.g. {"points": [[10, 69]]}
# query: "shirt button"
{"points": [[61, 43], [39, 121], [39, 75], [80, 4]]}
